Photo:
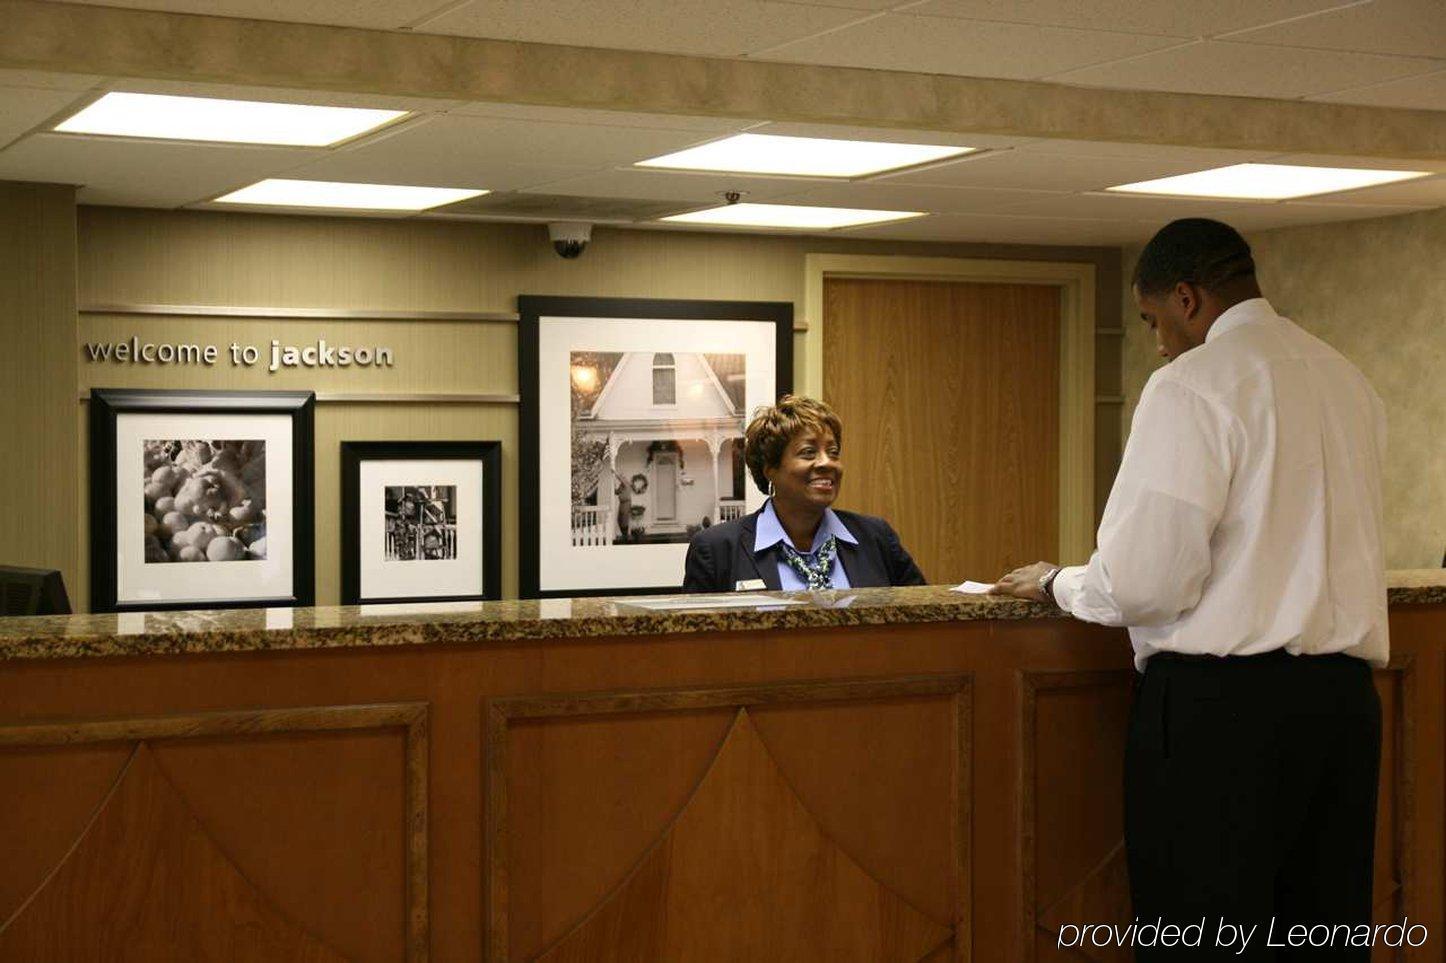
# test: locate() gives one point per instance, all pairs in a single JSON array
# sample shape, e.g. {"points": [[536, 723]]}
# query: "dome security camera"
{"points": [[569, 238]]}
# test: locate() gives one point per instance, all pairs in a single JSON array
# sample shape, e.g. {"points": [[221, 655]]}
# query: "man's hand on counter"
{"points": [[1026, 582]]}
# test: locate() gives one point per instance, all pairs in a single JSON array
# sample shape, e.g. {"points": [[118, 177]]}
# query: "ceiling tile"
{"points": [[557, 207], [376, 14], [548, 144], [1426, 92], [891, 196], [970, 48], [1368, 163], [1132, 207], [1247, 70], [1000, 229], [1414, 28], [440, 171], [1047, 172], [723, 229], [1206, 157], [493, 153], [1176, 18], [1423, 193], [24, 108], [669, 185], [143, 173], [714, 28], [1294, 213]]}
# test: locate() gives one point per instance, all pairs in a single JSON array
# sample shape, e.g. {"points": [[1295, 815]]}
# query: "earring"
{"points": [[770, 488]]}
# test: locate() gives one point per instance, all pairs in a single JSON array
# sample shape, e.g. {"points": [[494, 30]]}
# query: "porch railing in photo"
{"points": [[590, 525], [397, 542], [593, 524]]}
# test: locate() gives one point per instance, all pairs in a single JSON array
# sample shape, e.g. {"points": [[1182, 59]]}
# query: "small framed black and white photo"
{"points": [[631, 433], [420, 521], [201, 499]]}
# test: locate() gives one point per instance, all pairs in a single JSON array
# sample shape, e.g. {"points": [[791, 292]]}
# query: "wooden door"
{"points": [[949, 396]]}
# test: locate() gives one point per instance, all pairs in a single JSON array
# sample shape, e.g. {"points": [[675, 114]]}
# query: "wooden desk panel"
{"points": [[746, 867], [928, 791]]}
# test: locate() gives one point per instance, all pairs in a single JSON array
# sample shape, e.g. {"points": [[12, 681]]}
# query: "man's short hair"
{"points": [[1195, 250]]}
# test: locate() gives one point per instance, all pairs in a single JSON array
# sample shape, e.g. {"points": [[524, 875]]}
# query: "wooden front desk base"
{"points": [[940, 791]]}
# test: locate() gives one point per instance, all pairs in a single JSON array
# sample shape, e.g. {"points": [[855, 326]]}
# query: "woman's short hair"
{"points": [[773, 427]]}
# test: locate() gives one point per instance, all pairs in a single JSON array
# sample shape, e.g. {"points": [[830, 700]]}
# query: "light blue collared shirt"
{"points": [[770, 532]]}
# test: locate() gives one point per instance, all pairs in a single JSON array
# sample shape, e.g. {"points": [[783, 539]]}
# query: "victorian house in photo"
{"points": [[657, 445]]}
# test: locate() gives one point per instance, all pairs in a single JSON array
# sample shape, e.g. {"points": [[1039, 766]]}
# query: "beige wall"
{"points": [[129, 256], [192, 257], [432, 357], [1376, 290], [39, 490]]}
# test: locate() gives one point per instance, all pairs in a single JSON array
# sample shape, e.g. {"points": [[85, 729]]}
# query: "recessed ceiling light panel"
{"points": [[802, 156], [789, 215], [1267, 182], [280, 192], [165, 117]]}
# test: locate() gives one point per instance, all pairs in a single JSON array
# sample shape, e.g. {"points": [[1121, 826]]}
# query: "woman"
{"points": [[624, 494], [796, 542]]}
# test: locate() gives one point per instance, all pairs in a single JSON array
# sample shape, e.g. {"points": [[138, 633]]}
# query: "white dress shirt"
{"points": [[1246, 516]]}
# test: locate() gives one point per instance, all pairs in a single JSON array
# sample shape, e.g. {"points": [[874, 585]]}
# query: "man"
{"points": [[1242, 546]]}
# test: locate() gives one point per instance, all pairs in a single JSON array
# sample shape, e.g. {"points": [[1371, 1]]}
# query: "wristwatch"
{"points": [[1046, 585]]}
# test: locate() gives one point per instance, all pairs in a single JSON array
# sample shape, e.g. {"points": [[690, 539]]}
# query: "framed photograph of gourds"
{"points": [[201, 499]]}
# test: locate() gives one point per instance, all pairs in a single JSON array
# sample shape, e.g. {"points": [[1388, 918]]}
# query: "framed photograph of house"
{"points": [[201, 499], [421, 521], [631, 433]]}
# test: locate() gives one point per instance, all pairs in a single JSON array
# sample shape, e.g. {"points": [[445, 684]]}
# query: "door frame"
{"points": [[1076, 284]]}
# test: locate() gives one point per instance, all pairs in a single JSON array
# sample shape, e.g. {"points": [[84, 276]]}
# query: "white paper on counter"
{"points": [[973, 588], [740, 601]]}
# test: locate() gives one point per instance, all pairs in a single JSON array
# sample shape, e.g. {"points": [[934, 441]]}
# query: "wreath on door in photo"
{"points": [[667, 447], [639, 483]]}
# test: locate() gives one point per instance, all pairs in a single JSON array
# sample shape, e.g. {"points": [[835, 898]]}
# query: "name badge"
{"points": [[750, 585]]}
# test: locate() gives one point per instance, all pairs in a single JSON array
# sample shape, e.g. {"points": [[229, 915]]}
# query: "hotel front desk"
{"points": [[881, 774]]}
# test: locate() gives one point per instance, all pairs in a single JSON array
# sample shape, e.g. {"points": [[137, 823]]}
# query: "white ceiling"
{"points": [[1250, 70], [1377, 52]]}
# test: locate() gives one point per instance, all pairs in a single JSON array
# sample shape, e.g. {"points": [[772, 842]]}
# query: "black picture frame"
{"points": [[355, 453], [532, 309], [108, 405]]}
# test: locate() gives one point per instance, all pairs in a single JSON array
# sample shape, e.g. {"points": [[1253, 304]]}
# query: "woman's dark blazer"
{"points": [[722, 556]]}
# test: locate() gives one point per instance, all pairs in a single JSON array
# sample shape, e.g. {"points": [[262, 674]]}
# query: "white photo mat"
{"points": [[563, 566], [178, 582], [462, 575]]}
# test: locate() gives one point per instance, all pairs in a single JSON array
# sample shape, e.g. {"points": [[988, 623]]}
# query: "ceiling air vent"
{"points": [[555, 207]]}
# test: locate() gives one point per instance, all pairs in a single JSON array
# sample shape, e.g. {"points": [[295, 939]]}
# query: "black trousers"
{"points": [[1250, 798]]}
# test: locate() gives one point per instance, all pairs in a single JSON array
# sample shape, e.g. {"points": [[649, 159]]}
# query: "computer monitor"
{"points": [[32, 591]]}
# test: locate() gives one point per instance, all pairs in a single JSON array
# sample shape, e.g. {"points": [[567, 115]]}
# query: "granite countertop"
{"points": [[427, 623], [241, 630], [1416, 586]]}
